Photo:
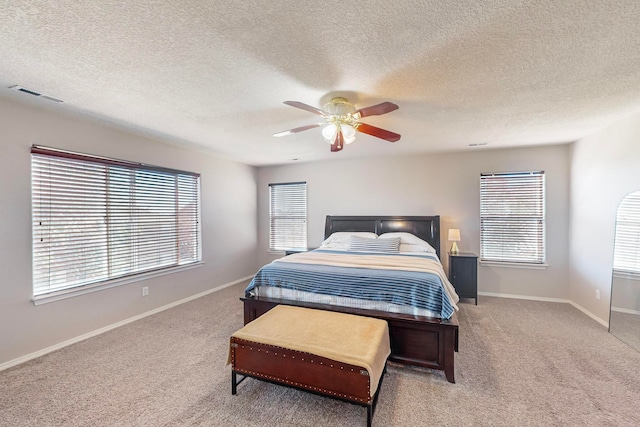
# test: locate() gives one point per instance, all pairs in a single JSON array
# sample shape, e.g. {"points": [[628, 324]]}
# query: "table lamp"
{"points": [[454, 236]]}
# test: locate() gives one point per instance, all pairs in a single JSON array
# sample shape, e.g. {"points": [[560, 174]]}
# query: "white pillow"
{"points": [[337, 246], [409, 242], [363, 244], [344, 236], [416, 248]]}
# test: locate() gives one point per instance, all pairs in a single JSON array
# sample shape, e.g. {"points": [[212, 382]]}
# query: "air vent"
{"points": [[34, 93]]}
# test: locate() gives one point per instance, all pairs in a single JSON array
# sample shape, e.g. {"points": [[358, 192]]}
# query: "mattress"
{"points": [[410, 283]]}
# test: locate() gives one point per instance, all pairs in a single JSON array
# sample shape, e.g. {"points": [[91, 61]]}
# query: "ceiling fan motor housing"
{"points": [[339, 106]]}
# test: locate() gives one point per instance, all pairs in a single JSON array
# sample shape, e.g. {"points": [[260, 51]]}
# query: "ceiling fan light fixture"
{"points": [[329, 132], [341, 121], [348, 132]]}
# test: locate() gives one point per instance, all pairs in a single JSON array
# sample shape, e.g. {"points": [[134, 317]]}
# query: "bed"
{"points": [[426, 336]]}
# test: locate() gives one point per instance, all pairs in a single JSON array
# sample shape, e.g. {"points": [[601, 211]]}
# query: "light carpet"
{"points": [[521, 363]]}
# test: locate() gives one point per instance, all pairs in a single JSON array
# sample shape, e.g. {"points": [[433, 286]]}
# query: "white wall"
{"points": [[585, 183], [436, 184], [605, 168], [229, 210]]}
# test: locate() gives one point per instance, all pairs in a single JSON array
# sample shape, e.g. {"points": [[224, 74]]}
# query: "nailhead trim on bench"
{"points": [[305, 386]]}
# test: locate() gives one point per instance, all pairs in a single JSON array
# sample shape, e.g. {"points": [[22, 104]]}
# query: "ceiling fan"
{"points": [[342, 120]]}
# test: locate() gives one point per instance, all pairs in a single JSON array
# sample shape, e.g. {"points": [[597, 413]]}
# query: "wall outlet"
{"points": [[597, 293], [145, 291]]}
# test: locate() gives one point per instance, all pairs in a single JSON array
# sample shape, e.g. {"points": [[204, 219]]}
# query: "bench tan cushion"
{"points": [[356, 340]]}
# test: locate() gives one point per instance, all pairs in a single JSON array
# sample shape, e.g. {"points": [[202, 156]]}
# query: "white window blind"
{"points": [[97, 219], [512, 221], [626, 256], [287, 216]]}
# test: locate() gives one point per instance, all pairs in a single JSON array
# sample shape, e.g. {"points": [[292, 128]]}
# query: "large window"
{"points": [[626, 257], [287, 216], [512, 221], [97, 219]]}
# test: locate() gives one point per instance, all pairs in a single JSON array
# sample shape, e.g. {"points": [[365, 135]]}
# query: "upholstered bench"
{"points": [[333, 354]]}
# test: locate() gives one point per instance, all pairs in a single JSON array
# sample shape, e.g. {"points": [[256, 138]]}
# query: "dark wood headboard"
{"points": [[425, 227]]}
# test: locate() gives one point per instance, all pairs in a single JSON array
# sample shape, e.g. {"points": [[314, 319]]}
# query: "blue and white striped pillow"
{"points": [[363, 244]]}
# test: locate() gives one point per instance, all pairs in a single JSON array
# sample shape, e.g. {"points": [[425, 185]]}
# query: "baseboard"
{"points": [[561, 300], [91, 334], [527, 297], [625, 310], [604, 323]]}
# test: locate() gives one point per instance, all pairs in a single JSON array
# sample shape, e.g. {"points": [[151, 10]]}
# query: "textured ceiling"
{"points": [[213, 75]]}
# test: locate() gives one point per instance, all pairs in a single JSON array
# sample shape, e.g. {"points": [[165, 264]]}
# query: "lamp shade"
{"points": [[329, 133], [349, 133], [454, 235]]}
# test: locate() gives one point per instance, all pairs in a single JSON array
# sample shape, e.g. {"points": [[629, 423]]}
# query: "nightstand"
{"points": [[463, 274]]}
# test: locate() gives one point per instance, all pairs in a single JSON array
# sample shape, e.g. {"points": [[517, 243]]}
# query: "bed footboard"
{"points": [[415, 340]]}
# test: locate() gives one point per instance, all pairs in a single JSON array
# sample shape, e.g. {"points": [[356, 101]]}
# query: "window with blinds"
{"points": [[512, 217], [287, 216], [97, 219], [626, 256]]}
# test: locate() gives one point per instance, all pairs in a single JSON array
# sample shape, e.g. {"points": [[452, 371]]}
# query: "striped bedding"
{"points": [[402, 283]]}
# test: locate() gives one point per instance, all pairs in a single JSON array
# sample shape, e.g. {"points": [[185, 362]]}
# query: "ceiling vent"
{"points": [[34, 93]]}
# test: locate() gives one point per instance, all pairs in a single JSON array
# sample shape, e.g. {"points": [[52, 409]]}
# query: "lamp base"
{"points": [[454, 248]]}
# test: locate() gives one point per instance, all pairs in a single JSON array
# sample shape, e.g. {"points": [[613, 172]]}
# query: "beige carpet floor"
{"points": [[521, 363]]}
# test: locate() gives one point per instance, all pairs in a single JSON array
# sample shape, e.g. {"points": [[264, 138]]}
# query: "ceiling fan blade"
{"points": [[377, 132], [296, 130], [376, 110], [306, 107], [338, 143]]}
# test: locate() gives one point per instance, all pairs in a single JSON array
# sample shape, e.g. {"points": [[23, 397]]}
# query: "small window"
{"points": [[97, 219], [287, 216], [512, 221], [626, 258]]}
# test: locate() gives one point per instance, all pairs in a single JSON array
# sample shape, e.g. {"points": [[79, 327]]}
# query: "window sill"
{"points": [[514, 265], [618, 274], [74, 292]]}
